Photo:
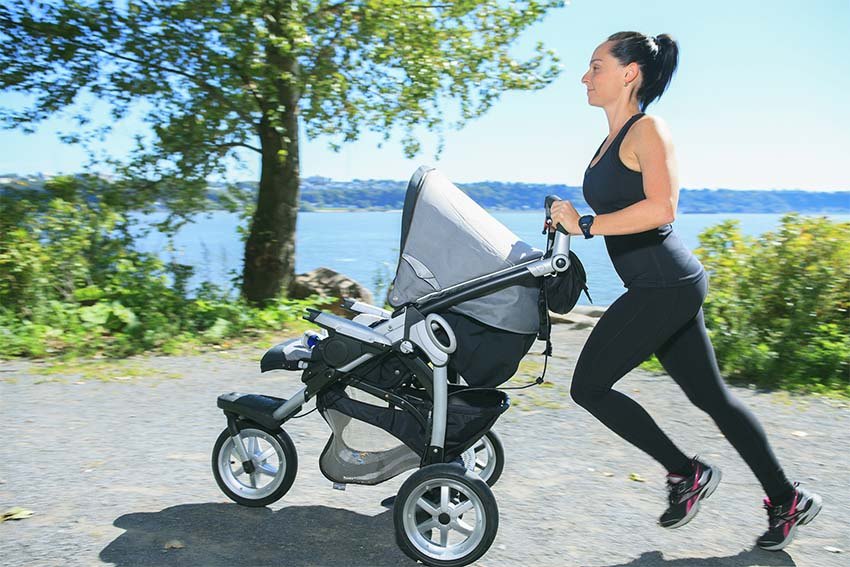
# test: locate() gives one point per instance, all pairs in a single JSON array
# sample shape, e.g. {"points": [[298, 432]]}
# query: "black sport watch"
{"points": [[584, 223]]}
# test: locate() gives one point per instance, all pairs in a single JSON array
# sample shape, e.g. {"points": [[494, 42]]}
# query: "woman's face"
{"points": [[605, 78]]}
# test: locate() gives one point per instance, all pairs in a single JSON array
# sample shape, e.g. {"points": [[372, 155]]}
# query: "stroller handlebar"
{"points": [[550, 199]]}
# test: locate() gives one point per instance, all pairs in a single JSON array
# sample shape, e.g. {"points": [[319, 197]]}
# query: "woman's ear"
{"points": [[632, 71]]}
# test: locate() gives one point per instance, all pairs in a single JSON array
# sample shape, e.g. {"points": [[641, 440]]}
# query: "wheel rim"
{"points": [[485, 458], [444, 519], [265, 452]]}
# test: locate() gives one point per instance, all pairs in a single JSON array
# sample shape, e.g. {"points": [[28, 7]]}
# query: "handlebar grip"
{"points": [[550, 199]]}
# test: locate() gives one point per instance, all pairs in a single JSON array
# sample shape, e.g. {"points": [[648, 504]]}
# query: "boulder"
{"points": [[595, 311], [328, 283], [577, 320]]}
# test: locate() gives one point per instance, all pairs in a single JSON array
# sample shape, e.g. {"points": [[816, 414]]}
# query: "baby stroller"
{"points": [[413, 388]]}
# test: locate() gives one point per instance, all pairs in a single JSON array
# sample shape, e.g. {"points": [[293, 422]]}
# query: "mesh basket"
{"points": [[364, 445], [358, 450]]}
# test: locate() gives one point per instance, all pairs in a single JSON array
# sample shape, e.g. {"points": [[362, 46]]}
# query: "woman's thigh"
{"points": [[631, 329]]}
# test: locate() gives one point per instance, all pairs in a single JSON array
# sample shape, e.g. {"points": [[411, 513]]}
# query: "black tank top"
{"points": [[654, 258]]}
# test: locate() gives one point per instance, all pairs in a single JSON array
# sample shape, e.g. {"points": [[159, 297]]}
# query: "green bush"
{"points": [[72, 282], [777, 307]]}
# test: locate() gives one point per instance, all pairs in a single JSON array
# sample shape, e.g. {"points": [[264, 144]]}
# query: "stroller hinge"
{"points": [[433, 455]]}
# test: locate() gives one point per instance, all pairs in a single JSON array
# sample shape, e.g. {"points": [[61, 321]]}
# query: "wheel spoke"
{"points": [[462, 508], [444, 498], [267, 470], [239, 470], [252, 446], [427, 526], [266, 454], [427, 506], [253, 480], [479, 464], [462, 527], [444, 535]]}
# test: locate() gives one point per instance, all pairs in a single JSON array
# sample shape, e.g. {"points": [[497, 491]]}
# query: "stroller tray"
{"points": [[256, 407]]}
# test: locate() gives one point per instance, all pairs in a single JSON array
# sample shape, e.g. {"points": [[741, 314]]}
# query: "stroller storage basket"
{"points": [[471, 413]]}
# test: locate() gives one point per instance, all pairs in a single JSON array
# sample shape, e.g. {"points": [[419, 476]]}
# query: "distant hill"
{"points": [[320, 192], [376, 194]]}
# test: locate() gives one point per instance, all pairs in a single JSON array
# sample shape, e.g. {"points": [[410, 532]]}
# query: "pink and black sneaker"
{"points": [[686, 492], [783, 519]]}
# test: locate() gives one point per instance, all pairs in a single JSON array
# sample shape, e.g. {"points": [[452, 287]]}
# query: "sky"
{"points": [[759, 101]]}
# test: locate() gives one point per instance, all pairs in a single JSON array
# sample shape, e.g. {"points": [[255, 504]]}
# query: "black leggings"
{"points": [[668, 322]]}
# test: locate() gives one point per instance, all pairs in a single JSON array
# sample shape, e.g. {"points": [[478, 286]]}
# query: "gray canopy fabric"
{"points": [[446, 239]]}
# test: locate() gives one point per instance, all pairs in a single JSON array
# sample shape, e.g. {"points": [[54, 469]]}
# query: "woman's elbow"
{"points": [[667, 214]]}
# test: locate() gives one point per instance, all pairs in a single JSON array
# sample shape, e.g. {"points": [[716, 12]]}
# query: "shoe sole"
{"points": [[706, 492], [807, 516]]}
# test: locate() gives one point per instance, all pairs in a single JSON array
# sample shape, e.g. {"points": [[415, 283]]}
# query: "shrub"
{"points": [[777, 307], [72, 281]]}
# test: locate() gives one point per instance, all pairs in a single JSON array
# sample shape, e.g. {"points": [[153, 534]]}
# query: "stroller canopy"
{"points": [[446, 239]]}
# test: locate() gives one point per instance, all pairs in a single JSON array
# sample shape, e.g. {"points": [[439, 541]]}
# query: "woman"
{"points": [[632, 186]]}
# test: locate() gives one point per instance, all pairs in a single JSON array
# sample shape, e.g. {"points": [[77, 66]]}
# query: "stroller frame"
{"points": [[379, 332], [413, 325]]}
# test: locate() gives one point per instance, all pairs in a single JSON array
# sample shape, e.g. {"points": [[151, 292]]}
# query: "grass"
{"points": [[109, 370], [547, 395]]}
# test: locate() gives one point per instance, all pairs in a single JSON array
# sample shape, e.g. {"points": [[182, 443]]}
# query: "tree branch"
{"points": [[195, 80], [229, 145]]}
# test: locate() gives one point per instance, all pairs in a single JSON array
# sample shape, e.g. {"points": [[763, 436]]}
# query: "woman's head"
{"points": [[633, 65]]}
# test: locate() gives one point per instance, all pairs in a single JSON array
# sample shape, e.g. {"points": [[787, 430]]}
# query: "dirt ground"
{"points": [[117, 472]]}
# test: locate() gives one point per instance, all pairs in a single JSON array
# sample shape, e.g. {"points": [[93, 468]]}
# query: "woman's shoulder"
{"points": [[649, 130]]}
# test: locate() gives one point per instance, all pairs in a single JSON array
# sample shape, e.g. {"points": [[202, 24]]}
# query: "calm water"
{"points": [[364, 245]]}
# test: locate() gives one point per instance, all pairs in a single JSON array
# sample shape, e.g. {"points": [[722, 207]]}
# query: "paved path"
{"points": [[115, 471]]}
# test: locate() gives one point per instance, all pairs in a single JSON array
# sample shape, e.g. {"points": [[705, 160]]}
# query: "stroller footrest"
{"points": [[255, 407]]}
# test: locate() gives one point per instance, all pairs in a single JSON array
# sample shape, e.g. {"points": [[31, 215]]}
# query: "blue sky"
{"points": [[759, 102]]}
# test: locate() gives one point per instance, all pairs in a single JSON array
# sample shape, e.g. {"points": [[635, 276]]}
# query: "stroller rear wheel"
{"points": [[445, 516], [486, 458], [273, 460]]}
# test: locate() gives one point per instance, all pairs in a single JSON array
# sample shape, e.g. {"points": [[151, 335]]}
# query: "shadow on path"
{"points": [[751, 558], [229, 534]]}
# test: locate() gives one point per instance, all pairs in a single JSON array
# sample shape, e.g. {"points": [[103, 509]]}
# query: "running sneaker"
{"points": [[783, 519], [685, 493]]}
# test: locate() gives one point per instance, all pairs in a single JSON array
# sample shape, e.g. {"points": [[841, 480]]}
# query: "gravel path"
{"points": [[118, 473]]}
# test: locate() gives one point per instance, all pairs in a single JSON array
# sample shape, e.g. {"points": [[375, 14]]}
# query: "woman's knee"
{"points": [[583, 392]]}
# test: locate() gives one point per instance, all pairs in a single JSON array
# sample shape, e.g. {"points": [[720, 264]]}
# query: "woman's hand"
{"points": [[565, 213]]}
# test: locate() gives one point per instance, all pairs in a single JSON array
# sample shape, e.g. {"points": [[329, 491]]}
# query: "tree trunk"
{"points": [[270, 250]]}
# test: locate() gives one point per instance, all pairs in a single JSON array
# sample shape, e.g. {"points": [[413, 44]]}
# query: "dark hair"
{"points": [[656, 56]]}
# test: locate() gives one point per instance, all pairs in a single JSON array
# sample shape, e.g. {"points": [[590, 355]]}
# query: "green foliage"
{"points": [[778, 305], [71, 281], [220, 78]]}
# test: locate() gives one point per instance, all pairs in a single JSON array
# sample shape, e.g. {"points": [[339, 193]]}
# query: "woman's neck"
{"points": [[618, 116]]}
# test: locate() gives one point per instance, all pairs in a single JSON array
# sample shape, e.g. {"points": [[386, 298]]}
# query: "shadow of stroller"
{"points": [[228, 534], [750, 558]]}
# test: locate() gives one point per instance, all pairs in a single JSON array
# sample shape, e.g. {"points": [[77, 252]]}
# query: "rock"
{"points": [[577, 320], [595, 311], [328, 283]]}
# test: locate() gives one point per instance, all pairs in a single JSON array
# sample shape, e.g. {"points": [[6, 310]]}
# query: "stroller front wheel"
{"points": [[273, 460], [445, 516]]}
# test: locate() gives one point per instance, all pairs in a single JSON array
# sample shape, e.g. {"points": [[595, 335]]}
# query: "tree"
{"points": [[222, 78]]}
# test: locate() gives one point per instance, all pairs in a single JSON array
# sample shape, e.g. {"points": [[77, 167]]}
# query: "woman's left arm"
{"points": [[654, 151]]}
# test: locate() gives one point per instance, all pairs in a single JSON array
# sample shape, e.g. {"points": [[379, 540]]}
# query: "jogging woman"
{"points": [[632, 186]]}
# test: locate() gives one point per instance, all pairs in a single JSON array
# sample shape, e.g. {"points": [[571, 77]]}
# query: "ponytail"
{"points": [[656, 56]]}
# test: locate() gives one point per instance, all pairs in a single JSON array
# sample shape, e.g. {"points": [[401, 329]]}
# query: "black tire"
{"points": [[465, 489], [227, 481], [498, 454]]}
